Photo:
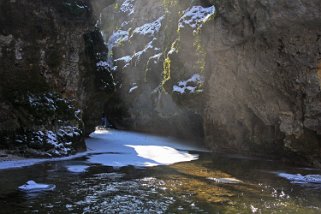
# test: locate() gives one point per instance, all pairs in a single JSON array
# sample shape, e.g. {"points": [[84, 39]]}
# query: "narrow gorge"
{"points": [[233, 78]]}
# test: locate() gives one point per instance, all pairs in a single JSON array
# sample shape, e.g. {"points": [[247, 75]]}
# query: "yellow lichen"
{"points": [[167, 70]]}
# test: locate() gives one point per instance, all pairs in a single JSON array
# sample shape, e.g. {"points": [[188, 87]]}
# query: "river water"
{"points": [[123, 173]]}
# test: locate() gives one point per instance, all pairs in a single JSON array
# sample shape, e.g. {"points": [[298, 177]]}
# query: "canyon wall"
{"points": [[243, 75], [238, 75], [49, 84]]}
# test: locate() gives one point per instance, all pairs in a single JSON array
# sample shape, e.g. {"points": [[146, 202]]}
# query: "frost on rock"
{"points": [[62, 119], [132, 89], [42, 101], [148, 47], [57, 143], [125, 59], [116, 38], [189, 86], [102, 64], [156, 58], [150, 29], [196, 16], [128, 7]]}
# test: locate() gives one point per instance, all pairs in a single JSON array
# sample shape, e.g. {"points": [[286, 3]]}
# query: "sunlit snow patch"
{"points": [[301, 179], [162, 154], [196, 16], [117, 148], [127, 7], [189, 86], [149, 29], [32, 186], [77, 168]]}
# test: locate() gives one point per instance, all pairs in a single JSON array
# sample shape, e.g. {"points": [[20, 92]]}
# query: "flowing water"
{"points": [[210, 184]]}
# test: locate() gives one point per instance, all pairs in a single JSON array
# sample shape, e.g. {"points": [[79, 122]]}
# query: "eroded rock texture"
{"points": [[49, 81], [242, 74], [246, 74], [158, 62], [263, 86]]}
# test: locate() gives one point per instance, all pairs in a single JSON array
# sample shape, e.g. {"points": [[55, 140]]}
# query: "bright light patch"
{"points": [[118, 148], [163, 154]]}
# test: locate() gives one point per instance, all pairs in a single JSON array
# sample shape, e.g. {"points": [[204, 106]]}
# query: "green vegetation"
{"points": [[167, 62], [116, 7], [167, 70]]}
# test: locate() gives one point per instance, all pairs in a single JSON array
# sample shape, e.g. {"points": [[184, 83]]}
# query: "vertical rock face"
{"points": [[264, 78], [243, 75], [157, 58], [246, 74], [49, 82]]}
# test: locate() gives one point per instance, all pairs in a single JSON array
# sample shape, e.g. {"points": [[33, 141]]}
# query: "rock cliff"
{"points": [[263, 85], [243, 75], [240, 75], [49, 80]]}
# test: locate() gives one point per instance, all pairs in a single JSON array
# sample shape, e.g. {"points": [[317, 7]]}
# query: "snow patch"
{"points": [[138, 54], [156, 58], [161, 155], [196, 16], [132, 89], [149, 29], [32, 186], [128, 7], [116, 38], [301, 179], [126, 59], [117, 149], [102, 64], [77, 168], [189, 85]]}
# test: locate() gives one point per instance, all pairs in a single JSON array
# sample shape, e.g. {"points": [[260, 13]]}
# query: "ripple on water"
{"points": [[125, 196]]}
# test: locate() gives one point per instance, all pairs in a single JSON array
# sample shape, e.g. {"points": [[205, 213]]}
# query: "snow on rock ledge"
{"points": [[196, 16], [189, 86], [149, 29], [128, 7]]}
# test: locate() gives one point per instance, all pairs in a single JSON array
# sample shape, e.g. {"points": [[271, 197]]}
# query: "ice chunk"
{"points": [[32, 186], [301, 179], [77, 168], [225, 180]]}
